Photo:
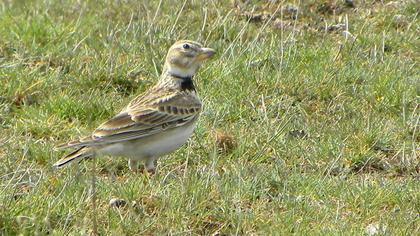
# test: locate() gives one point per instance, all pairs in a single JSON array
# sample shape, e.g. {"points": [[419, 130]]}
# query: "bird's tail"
{"points": [[81, 153]]}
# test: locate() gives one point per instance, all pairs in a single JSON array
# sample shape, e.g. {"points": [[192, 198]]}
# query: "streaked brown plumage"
{"points": [[156, 122]]}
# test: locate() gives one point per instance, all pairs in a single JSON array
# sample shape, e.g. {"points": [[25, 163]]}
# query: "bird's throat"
{"points": [[184, 80]]}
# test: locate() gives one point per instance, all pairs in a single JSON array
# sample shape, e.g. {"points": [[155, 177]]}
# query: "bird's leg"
{"points": [[150, 165], [133, 165]]}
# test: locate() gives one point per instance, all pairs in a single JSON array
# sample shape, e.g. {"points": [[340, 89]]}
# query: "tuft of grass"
{"points": [[320, 98]]}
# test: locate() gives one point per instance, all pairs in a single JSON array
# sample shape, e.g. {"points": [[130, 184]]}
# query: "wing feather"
{"points": [[146, 115]]}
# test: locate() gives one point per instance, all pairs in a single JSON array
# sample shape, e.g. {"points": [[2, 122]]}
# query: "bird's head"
{"points": [[185, 57]]}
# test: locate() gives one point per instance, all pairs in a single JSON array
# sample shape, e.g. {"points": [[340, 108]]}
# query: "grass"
{"points": [[322, 125]]}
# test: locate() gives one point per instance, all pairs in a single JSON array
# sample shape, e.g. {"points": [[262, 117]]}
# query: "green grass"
{"points": [[325, 129]]}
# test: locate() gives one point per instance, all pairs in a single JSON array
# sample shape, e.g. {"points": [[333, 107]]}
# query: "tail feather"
{"points": [[75, 143], [81, 153]]}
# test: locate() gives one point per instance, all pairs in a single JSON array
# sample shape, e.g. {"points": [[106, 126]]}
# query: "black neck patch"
{"points": [[186, 83]]}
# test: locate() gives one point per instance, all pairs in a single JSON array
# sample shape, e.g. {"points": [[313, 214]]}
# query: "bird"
{"points": [[156, 122]]}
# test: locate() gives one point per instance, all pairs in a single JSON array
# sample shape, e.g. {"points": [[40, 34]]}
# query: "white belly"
{"points": [[151, 146]]}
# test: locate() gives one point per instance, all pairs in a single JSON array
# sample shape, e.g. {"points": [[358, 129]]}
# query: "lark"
{"points": [[155, 123]]}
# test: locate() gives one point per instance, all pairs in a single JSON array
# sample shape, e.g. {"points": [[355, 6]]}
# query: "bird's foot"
{"points": [[150, 166], [133, 166], [151, 172]]}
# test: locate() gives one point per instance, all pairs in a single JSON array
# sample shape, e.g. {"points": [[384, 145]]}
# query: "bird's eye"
{"points": [[186, 46]]}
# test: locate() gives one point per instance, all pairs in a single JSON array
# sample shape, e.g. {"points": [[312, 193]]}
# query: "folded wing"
{"points": [[145, 117]]}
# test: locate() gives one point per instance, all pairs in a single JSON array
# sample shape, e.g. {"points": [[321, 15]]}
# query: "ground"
{"points": [[310, 123]]}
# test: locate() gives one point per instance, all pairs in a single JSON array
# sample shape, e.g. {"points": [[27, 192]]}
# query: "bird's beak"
{"points": [[205, 54]]}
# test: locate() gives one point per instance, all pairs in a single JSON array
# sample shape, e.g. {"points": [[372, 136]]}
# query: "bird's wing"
{"points": [[147, 114]]}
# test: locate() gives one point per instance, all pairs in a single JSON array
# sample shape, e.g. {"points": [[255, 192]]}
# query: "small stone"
{"points": [[216, 233], [297, 133], [349, 3], [375, 228], [372, 229], [280, 24], [256, 63], [339, 26], [224, 141], [400, 21], [292, 9], [299, 198], [256, 17], [329, 8], [117, 202], [23, 219]]}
